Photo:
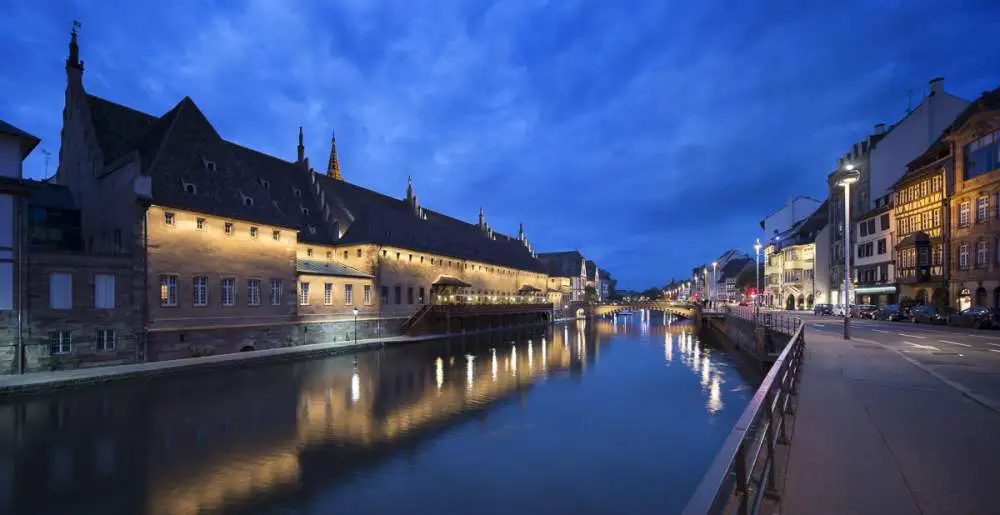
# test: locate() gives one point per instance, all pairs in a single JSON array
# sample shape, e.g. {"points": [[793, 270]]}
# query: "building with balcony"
{"points": [[874, 271], [790, 264], [974, 142]]}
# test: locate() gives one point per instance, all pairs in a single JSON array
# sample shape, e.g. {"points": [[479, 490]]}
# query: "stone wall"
{"points": [[83, 319]]}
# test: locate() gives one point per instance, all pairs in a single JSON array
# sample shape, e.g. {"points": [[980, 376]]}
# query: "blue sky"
{"points": [[650, 135]]}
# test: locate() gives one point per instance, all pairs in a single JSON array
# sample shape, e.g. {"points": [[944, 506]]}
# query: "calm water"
{"points": [[586, 418]]}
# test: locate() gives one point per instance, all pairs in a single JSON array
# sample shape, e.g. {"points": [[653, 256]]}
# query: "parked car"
{"points": [[823, 309], [890, 312], [930, 314], [864, 311], [838, 309], [977, 318]]}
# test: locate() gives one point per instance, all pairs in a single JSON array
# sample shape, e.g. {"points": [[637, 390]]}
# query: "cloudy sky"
{"points": [[650, 135]]}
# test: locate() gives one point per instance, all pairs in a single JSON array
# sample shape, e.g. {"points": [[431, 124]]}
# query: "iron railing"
{"points": [[779, 322], [743, 472]]}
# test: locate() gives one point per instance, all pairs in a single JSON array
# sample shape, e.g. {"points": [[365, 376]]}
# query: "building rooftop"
{"points": [[28, 142]]}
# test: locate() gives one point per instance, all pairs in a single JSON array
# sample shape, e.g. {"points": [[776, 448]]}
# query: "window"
{"points": [[923, 256], [981, 253], [349, 294], [385, 253], [329, 255], [368, 294], [229, 228], [411, 258], [168, 290], [963, 257], [104, 291], [275, 292], [881, 246], [253, 292], [276, 235], [117, 239], [935, 184], [298, 192], [963, 214], [345, 255], [936, 217], [60, 343], [253, 232], [309, 252], [398, 254], [884, 222], [303, 294], [937, 254], [200, 287], [61, 290], [327, 293], [421, 259], [982, 156], [409, 295], [385, 295], [228, 291], [863, 229], [105, 339], [168, 218], [420, 296], [359, 252], [923, 189], [399, 294], [982, 209], [199, 223]]}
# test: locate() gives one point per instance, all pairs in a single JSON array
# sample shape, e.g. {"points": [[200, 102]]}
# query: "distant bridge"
{"points": [[688, 311]]}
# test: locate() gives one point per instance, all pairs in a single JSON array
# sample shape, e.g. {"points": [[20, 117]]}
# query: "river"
{"points": [[585, 417]]}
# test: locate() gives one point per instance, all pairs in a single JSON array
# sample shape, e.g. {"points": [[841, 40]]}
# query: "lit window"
{"points": [[963, 214], [328, 294], [200, 291], [105, 339], [60, 342], [349, 294], [275, 292], [276, 235], [228, 291], [229, 228], [253, 232], [168, 218], [253, 292], [168, 290], [309, 252], [200, 224], [304, 294]]}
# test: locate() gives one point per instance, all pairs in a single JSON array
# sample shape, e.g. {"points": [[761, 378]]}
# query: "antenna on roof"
{"points": [[46, 153]]}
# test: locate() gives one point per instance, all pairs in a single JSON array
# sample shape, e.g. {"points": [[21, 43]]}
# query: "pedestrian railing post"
{"points": [[743, 507]]}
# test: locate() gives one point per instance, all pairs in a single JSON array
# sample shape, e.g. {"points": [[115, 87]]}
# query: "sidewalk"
{"points": [[876, 435], [39, 381]]}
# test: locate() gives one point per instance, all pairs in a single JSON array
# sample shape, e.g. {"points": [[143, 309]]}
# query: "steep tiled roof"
{"points": [[562, 264], [366, 216], [194, 168], [734, 267], [591, 269], [332, 268]]}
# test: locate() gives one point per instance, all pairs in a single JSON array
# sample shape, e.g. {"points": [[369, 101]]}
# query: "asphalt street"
{"points": [[966, 358]]}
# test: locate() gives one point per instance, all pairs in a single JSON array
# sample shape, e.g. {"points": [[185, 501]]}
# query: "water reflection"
{"points": [[257, 439]]}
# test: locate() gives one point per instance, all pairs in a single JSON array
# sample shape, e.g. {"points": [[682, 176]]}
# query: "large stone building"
{"points": [[234, 249], [974, 142], [790, 264]]}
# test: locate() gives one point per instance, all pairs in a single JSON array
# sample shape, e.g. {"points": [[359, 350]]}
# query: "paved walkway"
{"points": [[36, 381], [875, 434]]}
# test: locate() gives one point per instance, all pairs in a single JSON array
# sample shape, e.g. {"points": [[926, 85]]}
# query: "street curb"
{"points": [[981, 399]]}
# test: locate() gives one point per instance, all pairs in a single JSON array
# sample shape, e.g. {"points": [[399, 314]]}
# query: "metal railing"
{"points": [[743, 472], [780, 322]]}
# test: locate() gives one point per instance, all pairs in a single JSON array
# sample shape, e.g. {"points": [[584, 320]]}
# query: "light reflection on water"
{"points": [[570, 404]]}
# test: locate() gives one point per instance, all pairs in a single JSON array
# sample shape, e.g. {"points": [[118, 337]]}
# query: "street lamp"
{"points": [[756, 247], [355, 326], [715, 281], [845, 179]]}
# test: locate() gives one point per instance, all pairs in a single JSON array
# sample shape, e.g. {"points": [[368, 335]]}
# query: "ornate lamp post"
{"points": [[848, 177], [355, 326]]}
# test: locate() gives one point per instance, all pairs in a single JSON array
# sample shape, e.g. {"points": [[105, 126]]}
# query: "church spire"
{"points": [[482, 219], [73, 61], [409, 187], [520, 231], [333, 168], [302, 147]]}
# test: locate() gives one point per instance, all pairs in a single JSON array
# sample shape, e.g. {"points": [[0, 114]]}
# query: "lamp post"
{"points": [[715, 282], [355, 326], [848, 177], [756, 248]]}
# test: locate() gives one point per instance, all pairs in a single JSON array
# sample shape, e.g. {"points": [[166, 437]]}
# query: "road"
{"points": [[965, 358]]}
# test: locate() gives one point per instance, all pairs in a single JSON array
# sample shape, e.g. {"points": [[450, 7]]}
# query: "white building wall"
{"points": [[912, 137], [873, 238], [822, 270], [783, 219], [10, 156], [10, 166]]}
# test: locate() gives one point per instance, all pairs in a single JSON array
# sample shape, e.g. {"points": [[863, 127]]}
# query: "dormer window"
{"points": [[253, 232], [248, 202], [312, 229], [209, 164], [309, 252], [168, 218], [304, 210], [297, 191], [229, 228], [276, 235], [265, 183], [329, 255], [189, 188]]}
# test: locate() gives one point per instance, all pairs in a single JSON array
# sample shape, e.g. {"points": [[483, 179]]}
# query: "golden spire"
{"points": [[333, 168]]}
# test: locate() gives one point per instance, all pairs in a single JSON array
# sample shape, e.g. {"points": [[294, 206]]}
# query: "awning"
{"points": [[867, 290], [447, 280], [527, 288]]}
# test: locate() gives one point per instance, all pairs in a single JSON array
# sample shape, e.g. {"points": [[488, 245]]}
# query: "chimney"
{"points": [[937, 85], [879, 128]]}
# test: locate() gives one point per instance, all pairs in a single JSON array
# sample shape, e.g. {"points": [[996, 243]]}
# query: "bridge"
{"points": [[688, 311]]}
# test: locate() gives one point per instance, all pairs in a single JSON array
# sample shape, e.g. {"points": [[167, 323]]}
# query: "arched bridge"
{"points": [[682, 310]]}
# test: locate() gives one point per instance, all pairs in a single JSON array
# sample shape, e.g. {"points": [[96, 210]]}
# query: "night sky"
{"points": [[650, 135]]}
